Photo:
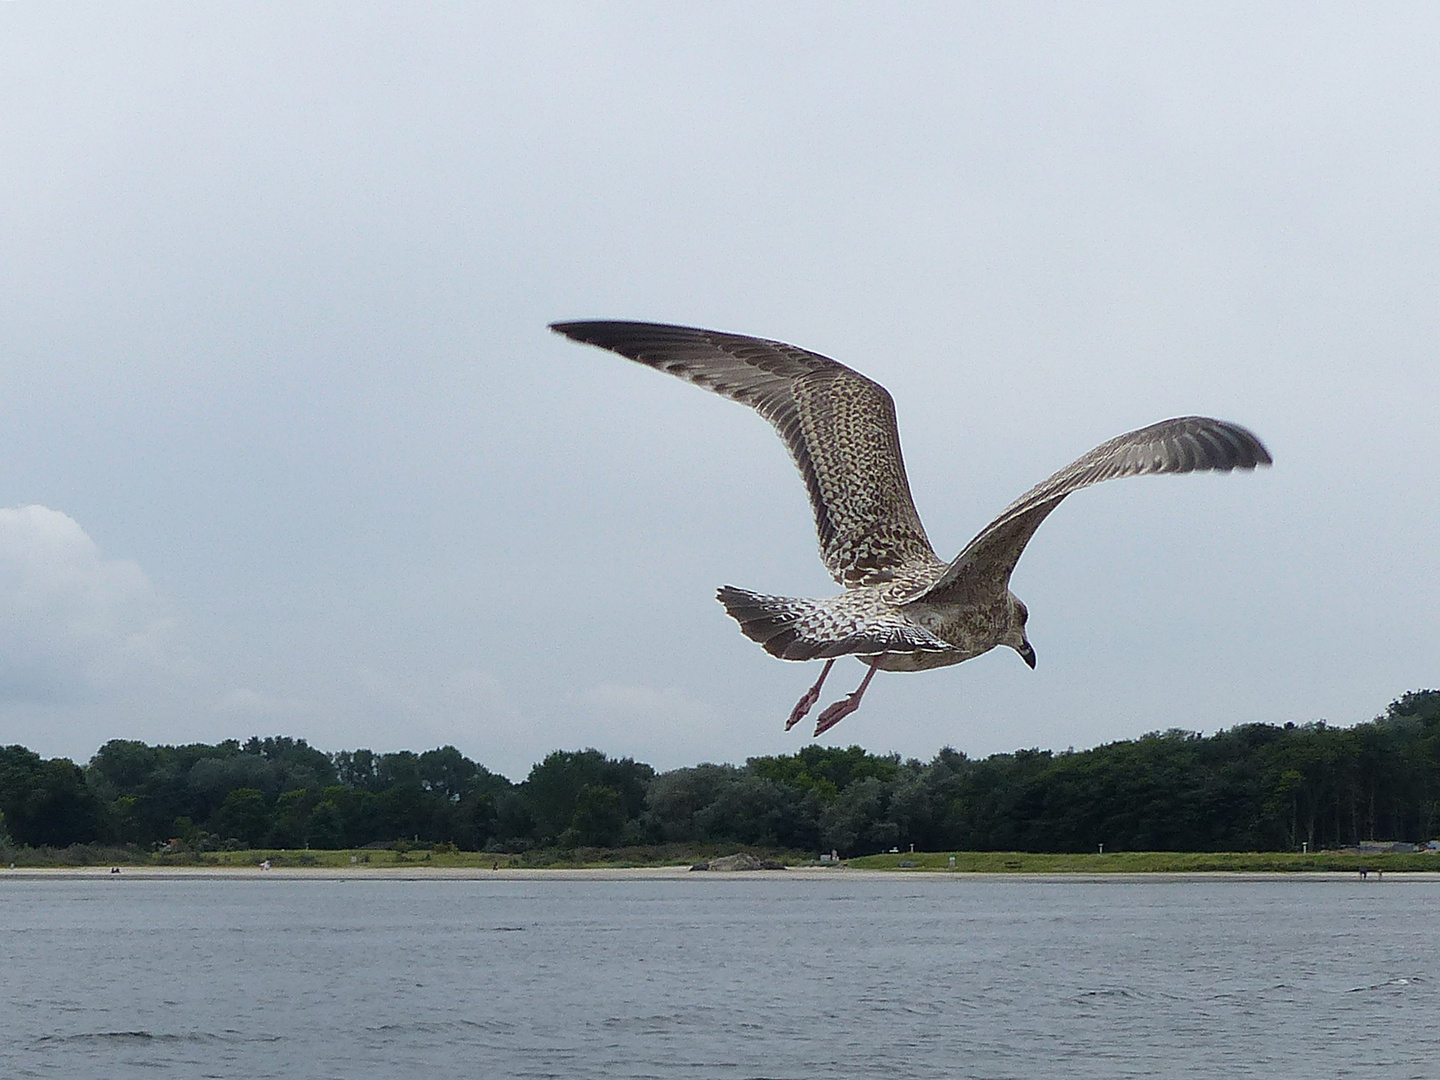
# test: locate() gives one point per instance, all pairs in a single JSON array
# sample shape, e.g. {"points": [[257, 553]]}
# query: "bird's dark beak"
{"points": [[1027, 654]]}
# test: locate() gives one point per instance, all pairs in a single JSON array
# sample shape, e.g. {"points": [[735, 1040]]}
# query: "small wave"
{"points": [[143, 1036], [1401, 980], [440, 1027], [1285, 991], [123, 1036], [1107, 993], [703, 1017]]}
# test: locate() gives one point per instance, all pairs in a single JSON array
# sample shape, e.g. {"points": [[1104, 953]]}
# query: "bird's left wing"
{"points": [[1185, 444], [838, 425]]}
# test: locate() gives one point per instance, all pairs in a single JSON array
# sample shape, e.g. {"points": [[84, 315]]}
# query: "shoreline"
{"points": [[678, 873]]}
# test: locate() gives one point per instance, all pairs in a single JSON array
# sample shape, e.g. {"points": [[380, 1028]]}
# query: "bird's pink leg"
{"points": [[811, 696], [845, 706]]}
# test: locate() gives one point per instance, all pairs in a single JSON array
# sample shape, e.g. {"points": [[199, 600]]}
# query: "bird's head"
{"points": [[1015, 630]]}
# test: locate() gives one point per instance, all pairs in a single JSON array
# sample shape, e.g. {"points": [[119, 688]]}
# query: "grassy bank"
{"points": [[971, 862], [1142, 862], [367, 858]]}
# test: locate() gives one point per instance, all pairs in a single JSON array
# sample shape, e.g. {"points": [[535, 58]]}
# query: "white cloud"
{"points": [[73, 622]]}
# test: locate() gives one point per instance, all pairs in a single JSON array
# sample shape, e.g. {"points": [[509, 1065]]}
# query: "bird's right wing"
{"points": [[1186, 444], [838, 425]]}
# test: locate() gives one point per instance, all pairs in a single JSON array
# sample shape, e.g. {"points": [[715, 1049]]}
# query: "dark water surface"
{"points": [[947, 976]]}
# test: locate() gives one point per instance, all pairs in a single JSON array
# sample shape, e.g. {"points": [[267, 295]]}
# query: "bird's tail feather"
{"points": [[773, 621], [796, 629]]}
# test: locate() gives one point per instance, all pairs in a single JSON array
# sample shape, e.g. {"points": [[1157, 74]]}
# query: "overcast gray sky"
{"points": [[288, 449]]}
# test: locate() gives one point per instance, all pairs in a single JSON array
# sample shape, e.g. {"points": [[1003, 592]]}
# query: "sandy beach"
{"points": [[664, 873]]}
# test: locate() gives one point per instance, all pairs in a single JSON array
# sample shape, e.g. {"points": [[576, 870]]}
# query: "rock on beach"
{"points": [[742, 861]]}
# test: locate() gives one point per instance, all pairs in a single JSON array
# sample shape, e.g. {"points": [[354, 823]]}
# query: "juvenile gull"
{"points": [[903, 608]]}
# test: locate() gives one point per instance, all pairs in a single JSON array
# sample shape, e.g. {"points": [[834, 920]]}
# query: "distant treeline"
{"points": [[1257, 787]]}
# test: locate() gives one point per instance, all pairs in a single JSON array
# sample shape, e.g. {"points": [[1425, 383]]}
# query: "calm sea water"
{"points": [[712, 977]]}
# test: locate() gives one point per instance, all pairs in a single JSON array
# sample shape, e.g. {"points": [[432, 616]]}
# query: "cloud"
{"points": [[649, 704], [384, 710], [664, 726], [72, 622], [248, 704], [466, 707]]}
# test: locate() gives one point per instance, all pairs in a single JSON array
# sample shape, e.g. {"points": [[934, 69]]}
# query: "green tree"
{"points": [[358, 769], [243, 816], [123, 766], [327, 827], [674, 798], [291, 818], [554, 785], [514, 828], [47, 802], [827, 770], [447, 771], [599, 816], [858, 820]]}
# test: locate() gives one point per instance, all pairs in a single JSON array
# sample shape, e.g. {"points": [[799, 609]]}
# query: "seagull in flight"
{"points": [[903, 609]]}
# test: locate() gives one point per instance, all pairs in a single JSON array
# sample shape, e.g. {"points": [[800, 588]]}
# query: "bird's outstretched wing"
{"points": [[838, 425], [1185, 444]]}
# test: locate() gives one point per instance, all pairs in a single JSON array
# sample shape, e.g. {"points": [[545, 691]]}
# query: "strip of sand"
{"points": [[669, 873]]}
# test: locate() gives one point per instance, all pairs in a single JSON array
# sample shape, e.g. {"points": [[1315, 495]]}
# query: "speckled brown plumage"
{"points": [[903, 608]]}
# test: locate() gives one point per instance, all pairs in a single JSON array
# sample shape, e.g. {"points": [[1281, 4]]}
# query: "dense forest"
{"points": [[1256, 787]]}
